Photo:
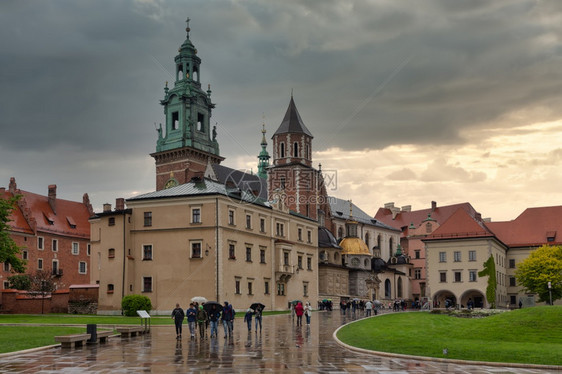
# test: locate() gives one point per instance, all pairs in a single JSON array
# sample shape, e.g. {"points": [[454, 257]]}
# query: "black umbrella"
{"points": [[212, 306], [259, 306]]}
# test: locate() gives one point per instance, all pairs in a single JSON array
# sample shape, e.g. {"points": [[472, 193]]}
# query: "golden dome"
{"points": [[354, 246]]}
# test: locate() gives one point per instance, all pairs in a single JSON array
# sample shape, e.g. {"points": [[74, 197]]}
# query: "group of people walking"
{"points": [[299, 310], [198, 318]]}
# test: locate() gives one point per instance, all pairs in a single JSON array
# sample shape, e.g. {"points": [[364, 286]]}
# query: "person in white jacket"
{"points": [[308, 312]]}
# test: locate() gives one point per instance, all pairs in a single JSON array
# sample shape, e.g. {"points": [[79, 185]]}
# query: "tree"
{"points": [[490, 271], [42, 284], [8, 248], [20, 282], [543, 265]]}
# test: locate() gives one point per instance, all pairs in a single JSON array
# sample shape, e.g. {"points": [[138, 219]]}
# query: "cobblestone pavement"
{"points": [[281, 347]]}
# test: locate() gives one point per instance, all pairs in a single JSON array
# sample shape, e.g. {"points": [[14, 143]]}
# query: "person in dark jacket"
{"points": [[248, 318], [214, 315], [227, 319], [178, 316], [191, 319]]}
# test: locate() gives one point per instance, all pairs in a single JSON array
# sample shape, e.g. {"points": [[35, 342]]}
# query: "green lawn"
{"points": [[16, 338], [529, 335]]}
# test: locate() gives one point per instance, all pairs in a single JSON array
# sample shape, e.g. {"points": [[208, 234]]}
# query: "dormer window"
{"points": [[71, 222], [550, 236], [49, 218]]}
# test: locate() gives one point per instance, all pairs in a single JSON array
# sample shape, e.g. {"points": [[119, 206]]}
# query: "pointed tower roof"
{"points": [[292, 122]]}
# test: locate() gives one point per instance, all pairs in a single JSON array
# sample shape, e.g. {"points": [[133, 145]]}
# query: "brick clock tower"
{"points": [[292, 177], [186, 142]]}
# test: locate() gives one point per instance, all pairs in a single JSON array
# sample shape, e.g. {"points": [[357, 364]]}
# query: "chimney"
{"points": [[13, 186], [120, 203], [407, 208], [53, 197], [478, 217], [433, 206], [2, 190], [388, 205], [106, 207]]}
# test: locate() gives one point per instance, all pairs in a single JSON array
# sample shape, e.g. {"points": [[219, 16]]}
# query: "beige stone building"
{"points": [[199, 239]]}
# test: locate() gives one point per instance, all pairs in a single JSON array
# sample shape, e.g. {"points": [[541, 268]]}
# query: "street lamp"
{"points": [[550, 291]]}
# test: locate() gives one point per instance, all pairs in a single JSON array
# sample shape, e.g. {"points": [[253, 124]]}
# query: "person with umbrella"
{"points": [[178, 316], [258, 307], [202, 321]]}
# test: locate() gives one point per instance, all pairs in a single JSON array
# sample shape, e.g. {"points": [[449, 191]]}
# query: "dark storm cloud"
{"points": [[365, 74]]}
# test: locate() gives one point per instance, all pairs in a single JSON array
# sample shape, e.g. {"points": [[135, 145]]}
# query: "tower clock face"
{"points": [[171, 183]]}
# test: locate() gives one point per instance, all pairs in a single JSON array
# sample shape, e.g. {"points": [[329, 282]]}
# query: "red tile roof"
{"points": [[460, 225], [531, 228], [440, 214], [67, 212]]}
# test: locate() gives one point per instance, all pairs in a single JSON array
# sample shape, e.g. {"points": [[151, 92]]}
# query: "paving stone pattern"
{"points": [[281, 347]]}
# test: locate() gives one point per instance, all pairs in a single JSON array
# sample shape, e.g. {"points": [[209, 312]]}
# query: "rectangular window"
{"points": [[40, 264], [249, 254], [266, 287], [512, 299], [285, 258], [443, 276], [262, 224], [300, 234], [231, 252], [417, 273], [417, 254], [305, 289], [88, 249], [442, 257], [512, 282], [196, 250], [250, 292], [280, 228], [147, 219], [248, 221], [458, 276], [512, 263], [457, 256], [6, 266], [147, 252], [55, 267], [299, 262], [110, 288], [146, 284], [309, 263], [280, 289], [82, 267], [471, 255], [24, 255], [472, 276], [6, 285], [237, 287], [111, 221], [55, 246], [40, 243], [262, 256], [111, 253], [196, 215], [75, 248], [231, 217], [309, 236]]}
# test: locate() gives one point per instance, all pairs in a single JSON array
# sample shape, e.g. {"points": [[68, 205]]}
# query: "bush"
{"points": [[131, 303], [20, 282]]}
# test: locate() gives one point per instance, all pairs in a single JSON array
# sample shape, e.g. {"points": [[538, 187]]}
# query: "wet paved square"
{"points": [[282, 347]]}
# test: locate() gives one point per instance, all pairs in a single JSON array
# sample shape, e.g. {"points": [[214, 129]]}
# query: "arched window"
{"points": [[387, 289], [399, 287], [307, 152], [336, 257], [296, 149], [367, 239], [366, 264], [340, 232], [390, 245], [282, 146], [379, 241]]}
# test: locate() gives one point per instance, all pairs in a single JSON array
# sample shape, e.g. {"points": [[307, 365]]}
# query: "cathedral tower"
{"points": [[292, 174], [186, 143], [263, 157]]}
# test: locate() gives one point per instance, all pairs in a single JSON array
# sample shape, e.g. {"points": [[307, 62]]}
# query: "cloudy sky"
{"points": [[409, 101]]}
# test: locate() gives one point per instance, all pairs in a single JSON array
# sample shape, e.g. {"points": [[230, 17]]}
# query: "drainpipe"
{"points": [[217, 242], [124, 255]]}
